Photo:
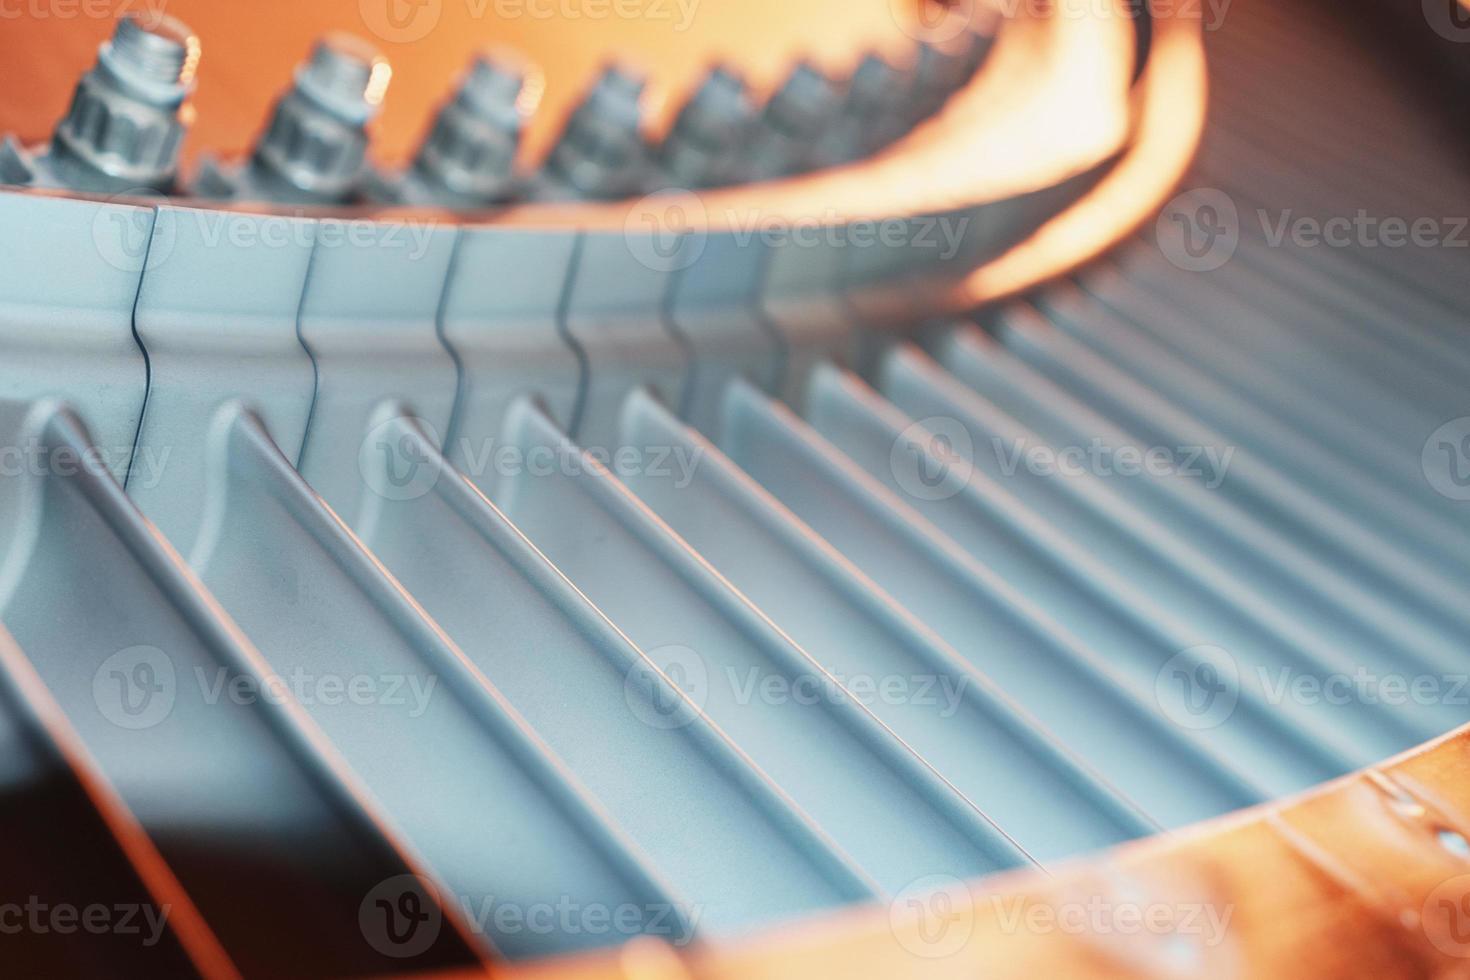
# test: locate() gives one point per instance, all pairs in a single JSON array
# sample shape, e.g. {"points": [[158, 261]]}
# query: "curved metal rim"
{"points": [[1169, 120]]}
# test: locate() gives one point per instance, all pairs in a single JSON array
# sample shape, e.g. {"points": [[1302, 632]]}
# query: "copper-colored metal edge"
{"points": [[1169, 112], [185, 922], [1363, 876]]}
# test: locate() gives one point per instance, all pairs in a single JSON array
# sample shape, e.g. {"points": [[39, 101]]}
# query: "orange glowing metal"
{"points": [[1170, 124]]}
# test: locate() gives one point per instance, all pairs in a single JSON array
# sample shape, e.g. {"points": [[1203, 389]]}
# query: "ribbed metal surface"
{"points": [[394, 673]]}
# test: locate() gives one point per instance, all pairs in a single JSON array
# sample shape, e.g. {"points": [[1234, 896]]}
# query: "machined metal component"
{"points": [[977, 48], [793, 122], [703, 145], [872, 115], [940, 69], [16, 165], [468, 158], [601, 153], [127, 117], [314, 148]]}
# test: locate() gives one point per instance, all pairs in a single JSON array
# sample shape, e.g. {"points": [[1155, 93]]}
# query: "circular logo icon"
{"points": [[1198, 688], [649, 697], [397, 458], [135, 688], [1446, 917], [936, 23], [1199, 230], [933, 917], [1446, 459], [1450, 19], [400, 21], [665, 230], [129, 234], [932, 458], [401, 916]]}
